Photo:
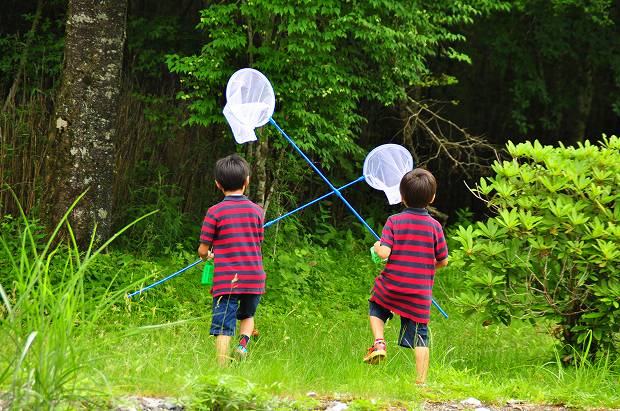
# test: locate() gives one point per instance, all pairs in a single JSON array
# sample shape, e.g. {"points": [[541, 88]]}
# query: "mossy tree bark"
{"points": [[84, 126]]}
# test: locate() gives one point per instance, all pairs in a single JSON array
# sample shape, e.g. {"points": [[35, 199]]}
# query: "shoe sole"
{"points": [[375, 357]]}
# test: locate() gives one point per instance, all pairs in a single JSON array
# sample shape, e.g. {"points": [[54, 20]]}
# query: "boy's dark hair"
{"points": [[231, 172], [417, 188]]}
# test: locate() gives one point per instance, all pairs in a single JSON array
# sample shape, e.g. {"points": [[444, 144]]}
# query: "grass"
{"points": [[60, 346], [46, 316], [322, 352]]}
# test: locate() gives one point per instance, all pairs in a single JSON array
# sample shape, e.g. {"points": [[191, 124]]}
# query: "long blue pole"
{"points": [[267, 224], [344, 200], [316, 200], [164, 279]]}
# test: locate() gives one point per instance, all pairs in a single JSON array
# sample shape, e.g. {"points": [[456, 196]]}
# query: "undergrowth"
{"points": [[70, 337]]}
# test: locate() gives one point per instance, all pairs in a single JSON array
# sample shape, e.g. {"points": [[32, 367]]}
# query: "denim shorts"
{"points": [[229, 308], [411, 333]]}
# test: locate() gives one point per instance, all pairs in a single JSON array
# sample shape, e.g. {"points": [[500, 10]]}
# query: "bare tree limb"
{"points": [[426, 130]]}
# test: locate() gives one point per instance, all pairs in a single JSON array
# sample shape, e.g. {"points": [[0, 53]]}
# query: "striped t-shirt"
{"points": [[235, 229], [405, 286]]}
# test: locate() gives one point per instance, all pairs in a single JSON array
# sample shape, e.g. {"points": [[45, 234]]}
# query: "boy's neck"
{"points": [[234, 192]]}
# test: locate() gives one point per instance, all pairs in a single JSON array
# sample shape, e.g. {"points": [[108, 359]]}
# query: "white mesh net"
{"points": [[250, 102], [385, 166]]}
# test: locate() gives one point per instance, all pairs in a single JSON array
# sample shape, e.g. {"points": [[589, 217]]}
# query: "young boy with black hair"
{"points": [[232, 233], [414, 245]]}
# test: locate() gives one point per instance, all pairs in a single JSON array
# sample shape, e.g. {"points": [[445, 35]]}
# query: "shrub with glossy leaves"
{"points": [[551, 251]]}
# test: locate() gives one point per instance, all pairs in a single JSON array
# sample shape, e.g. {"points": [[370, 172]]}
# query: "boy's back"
{"points": [[405, 285], [414, 246], [231, 233], [234, 227]]}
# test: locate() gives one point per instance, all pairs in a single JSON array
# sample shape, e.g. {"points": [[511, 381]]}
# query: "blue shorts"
{"points": [[411, 333], [229, 308]]}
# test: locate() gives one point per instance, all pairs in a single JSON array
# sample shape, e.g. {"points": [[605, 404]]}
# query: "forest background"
{"points": [[497, 70], [459, 83]]}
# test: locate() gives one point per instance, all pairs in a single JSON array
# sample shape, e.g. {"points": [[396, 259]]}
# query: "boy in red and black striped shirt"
{"points": [[414, 245], [232, 233]]}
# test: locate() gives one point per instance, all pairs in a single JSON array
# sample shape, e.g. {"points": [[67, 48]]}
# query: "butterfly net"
{"points": [[385, 166], [250, 102]]}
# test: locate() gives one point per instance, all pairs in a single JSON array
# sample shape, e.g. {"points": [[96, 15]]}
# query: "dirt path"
{"points": [[326, 404]]}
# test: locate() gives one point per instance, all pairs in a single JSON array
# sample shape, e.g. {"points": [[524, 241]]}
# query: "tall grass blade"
{"points": [[5, 300], [27, 346]]}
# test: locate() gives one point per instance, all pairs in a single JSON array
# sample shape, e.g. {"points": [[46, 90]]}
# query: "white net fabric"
{"points": [[250, 102], [385, 166]]}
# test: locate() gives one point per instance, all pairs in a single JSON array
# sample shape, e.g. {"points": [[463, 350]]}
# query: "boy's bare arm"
{"points": [[442, 263], [204, 251], [382, 251]]}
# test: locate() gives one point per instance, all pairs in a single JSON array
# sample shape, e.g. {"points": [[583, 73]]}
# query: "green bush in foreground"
{"points": [[47, 314], [233, 393], [552, 250]]}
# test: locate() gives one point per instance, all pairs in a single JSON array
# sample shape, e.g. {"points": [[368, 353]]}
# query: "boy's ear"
{"points": [[432, 199], [218, 185], [247, 181]]}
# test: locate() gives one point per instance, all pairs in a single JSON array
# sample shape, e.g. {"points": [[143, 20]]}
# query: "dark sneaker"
{"points": [[376, 353]]}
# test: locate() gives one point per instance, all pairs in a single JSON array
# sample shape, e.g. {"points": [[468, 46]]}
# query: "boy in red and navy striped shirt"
{"points": [[414, 245], [232, 233]]}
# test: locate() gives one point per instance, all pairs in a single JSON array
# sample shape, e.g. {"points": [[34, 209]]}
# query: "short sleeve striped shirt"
{"points": [[235, 229], [405, 286]]}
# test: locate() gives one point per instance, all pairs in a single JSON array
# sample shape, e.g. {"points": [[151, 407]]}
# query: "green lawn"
{"points": [[313, 334], [306, 349]]}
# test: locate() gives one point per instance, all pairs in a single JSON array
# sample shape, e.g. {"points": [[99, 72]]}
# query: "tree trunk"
{"points": [[260, 178], [249, 156], [583, 106], [84, 125]]}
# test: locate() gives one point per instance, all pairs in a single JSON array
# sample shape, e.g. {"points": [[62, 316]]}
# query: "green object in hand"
{"points": [[207, 273], [375, 257]]}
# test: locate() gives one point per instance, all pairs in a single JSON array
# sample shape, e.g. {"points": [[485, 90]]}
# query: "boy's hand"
{"points": [[204, 252], [382, 251]]}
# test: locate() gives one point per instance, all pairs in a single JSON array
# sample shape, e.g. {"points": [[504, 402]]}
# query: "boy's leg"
{"points": [[222, 343], [422, 352], [415, 335], [246, 326], [245, 314], [377, 315], [223, 324], [377, 325], [422, 357]]}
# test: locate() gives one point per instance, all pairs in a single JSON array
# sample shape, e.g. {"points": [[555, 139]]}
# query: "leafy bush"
{"points": [[319, 87], [552, 250], [304, 273], [159, 235]]}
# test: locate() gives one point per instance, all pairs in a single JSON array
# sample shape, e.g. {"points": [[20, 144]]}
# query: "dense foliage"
{"points": [[324, 59], [551, 251], [548, 69], [349, 65]]}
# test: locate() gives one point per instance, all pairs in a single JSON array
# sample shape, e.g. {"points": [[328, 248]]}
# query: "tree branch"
{"points": [[425, 129]]}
